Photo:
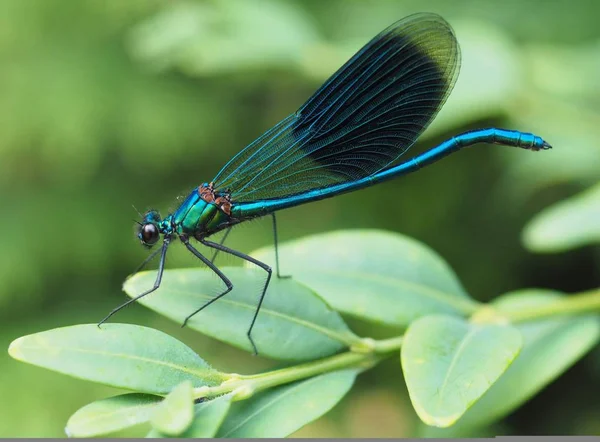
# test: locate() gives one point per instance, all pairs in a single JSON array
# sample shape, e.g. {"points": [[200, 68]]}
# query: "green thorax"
{"points": [[198, 216]]}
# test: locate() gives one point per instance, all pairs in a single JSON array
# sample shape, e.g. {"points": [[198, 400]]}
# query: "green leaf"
{"points": [[280, 411], [550, 347], [293, 323], [208, 417], [112, 414], [566, 225], [371, 274], [449, 363], [121, 355], [175, 413]]}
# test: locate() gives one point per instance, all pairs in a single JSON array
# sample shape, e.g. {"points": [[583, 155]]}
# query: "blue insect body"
{"points": [[347, 136]]}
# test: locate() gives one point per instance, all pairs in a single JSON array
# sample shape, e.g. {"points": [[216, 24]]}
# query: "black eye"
{"points": [[149, 234]]}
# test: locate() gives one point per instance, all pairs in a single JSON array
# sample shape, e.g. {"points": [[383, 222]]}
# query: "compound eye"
{"points": [[149, 234]]}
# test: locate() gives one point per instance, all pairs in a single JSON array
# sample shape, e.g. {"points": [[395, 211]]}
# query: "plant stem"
{"points": [[303, 371], [244, 386], [586, 302], [373, 351], [388, 345]]}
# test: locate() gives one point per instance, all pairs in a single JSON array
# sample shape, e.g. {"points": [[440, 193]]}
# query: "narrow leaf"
{"points": [[121, 355], [208, 417], [175, 413], [449, 363], [283, 410], [112, 414], [375, 275], [293, 323]]}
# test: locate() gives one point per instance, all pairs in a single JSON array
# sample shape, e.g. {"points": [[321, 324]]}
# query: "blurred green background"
{"points": [[113, 103]]}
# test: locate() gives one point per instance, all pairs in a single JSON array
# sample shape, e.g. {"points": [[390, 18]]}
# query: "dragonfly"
{"points": [[349, 135]]}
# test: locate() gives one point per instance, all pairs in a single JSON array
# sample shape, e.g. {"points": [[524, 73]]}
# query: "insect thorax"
{"points": [[203, 213]]}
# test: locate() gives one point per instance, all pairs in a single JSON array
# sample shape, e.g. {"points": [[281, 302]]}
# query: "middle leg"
{"points": [[260, 264]]}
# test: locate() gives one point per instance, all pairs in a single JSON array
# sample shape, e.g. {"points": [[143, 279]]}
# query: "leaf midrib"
{"points": [[183, 369], [462, 303], [345, 338], [454, 361]]}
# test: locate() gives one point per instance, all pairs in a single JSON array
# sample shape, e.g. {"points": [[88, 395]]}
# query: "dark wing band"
{"points": [[362, 119]]}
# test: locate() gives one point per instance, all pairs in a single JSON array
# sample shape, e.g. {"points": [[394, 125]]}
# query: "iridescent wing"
{"points": [[360, 121]]}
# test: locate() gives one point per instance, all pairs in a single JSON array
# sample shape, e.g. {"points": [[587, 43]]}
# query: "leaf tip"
{"points": [[128, 282], [440, 421], [432, 420], [14, 349]]}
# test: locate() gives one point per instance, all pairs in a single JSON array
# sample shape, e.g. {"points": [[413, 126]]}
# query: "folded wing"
{"points": [[361, 120]]}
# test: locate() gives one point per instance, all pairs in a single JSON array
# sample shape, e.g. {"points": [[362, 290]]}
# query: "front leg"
{"points": [[159, 275], [262, 265]]}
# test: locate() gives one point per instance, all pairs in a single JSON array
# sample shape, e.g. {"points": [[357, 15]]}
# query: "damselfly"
{"points": [[348, 135]]}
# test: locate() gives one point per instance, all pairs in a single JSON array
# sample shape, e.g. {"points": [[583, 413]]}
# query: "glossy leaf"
{"points": [[208, 417], [550, 347], [175, 413], [280, 411], [449, 363], [112, 414], [293, 323], [566, 225], [121, 355], [379, 276]]}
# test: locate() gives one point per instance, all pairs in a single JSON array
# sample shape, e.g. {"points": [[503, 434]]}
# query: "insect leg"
{"points": [[161, 268], [262, 265], [215, 269], [146, 261], [220, 242], [279, 275]]}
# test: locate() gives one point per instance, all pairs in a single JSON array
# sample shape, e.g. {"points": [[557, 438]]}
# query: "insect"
{"points": [[347, 136]]}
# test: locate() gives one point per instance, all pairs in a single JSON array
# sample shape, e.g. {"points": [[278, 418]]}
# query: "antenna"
{"points": [[138, 212]]}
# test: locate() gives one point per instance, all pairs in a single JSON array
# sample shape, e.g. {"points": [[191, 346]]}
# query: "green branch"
{"points": [[368, 352], [244, 386], [586, 302]]}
